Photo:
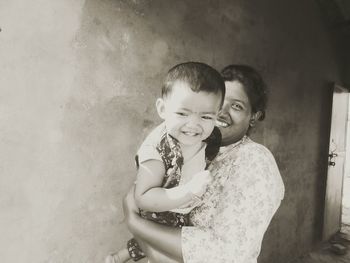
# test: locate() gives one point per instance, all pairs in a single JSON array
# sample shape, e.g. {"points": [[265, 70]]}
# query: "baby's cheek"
{"points": [[212, 125], [209, 129]]}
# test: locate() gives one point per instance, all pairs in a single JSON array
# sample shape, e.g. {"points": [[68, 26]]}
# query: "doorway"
{"points": [[336, 184], [345, 217]]}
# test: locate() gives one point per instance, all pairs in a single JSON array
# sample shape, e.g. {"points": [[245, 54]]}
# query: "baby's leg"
{"points": [[121, 256], [134, 250]]}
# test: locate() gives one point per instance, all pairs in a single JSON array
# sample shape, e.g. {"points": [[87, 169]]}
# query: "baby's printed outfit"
{"points": [[169, 152]]}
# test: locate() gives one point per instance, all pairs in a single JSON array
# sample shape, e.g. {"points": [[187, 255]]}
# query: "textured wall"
{"points": [[78, 84]]}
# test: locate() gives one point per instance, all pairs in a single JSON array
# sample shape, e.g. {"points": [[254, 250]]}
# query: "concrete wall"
{"points": [[78, 84]]}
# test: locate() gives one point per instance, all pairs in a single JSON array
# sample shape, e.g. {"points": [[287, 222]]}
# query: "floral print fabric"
{"points": [[245, 193]]}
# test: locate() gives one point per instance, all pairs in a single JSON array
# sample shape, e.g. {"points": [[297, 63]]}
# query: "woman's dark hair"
{"points": [[252, 83]]}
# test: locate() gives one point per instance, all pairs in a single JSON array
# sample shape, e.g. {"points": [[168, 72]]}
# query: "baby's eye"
{"points": [[208, 117], [182, 114], [236, 106]]}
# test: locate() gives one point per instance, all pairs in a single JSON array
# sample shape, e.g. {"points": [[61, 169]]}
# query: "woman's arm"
{"points": [[154, 255], [161, 238]]}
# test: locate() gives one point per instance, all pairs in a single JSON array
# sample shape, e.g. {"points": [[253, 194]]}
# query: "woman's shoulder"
{"points": [[250, 147], [262, 161]]}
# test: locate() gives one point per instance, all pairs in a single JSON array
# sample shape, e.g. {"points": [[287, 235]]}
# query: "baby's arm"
{"points": [[150, 196]]}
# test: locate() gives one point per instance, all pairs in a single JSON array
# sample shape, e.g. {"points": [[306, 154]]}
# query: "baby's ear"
{"points": [[160, 108]]}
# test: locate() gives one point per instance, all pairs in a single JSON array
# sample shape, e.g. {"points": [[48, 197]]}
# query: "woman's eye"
{"points": [[182, 114], [236, 107]]}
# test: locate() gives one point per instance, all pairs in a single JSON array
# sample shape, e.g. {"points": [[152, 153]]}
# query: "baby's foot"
{"points": [[121, 256]]}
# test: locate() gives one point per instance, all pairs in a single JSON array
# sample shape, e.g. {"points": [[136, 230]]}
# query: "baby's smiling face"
{"points": [[189, 116]]}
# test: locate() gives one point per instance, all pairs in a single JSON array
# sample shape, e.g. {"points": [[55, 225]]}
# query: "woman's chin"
{"points": [[230, 136]]}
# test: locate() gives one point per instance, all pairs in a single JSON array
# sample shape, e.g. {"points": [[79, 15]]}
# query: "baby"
{"points": [[172, 160]]}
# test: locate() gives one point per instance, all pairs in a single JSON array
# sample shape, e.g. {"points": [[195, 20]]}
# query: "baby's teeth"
{"points": [[190, 133]]}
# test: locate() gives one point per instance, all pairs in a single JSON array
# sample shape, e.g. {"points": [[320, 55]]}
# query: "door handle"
{"points": [[331, 163], [332, 155]]}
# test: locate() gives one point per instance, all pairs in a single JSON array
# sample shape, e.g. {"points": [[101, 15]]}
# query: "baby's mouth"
{"points": [[190, 133]]}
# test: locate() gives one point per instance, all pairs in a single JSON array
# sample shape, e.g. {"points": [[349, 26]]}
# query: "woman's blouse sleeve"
{"points": [[247, 203]]}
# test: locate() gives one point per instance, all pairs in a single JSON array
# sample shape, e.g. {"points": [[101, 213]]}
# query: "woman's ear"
{"points": [[160, 105], [255, 117]]}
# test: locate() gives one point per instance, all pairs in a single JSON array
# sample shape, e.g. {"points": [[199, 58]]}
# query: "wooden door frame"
{"points": [[329, 227]]}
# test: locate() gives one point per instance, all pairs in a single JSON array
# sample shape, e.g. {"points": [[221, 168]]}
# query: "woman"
{"points": [[242, 198]]}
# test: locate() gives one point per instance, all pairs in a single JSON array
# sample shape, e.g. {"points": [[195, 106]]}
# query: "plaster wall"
{"points": [[78, 84]]}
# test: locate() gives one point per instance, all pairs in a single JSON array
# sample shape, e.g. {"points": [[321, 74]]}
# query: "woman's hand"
{"points": [[150, 235], [162, 239]]}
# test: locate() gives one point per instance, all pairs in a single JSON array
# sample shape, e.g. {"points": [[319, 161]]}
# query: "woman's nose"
{"points": [[222, 112], [224, 109]]}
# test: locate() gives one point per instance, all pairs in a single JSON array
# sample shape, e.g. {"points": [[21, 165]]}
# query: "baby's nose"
{"points": [[194, 120]]}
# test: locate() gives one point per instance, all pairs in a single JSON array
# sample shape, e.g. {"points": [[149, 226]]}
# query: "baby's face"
{"points": [[189, 116]]}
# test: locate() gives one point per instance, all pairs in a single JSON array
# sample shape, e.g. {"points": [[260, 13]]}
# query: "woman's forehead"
{"points": [[235, 91]]}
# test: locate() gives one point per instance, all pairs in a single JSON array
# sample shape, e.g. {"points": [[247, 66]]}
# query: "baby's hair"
{"points": [[199, 76], [252, 83]]}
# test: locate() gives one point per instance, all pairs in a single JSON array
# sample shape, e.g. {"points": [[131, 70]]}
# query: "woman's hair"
{"points": [[252, 83], [199, 76]]}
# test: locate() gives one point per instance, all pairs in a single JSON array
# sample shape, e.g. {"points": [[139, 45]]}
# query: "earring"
{"points": [[252, 123]]}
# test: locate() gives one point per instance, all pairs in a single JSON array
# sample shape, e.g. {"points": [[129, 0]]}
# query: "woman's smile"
{"points": [[224, 123]]}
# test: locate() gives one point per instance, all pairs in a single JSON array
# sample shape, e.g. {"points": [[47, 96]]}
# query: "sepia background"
{"points": [[78, 83]]}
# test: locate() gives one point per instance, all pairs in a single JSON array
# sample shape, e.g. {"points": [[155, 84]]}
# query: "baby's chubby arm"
{"points": [[150, 196]]}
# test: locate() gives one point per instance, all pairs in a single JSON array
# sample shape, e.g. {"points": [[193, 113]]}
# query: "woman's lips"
{"points": [[222, 123]]}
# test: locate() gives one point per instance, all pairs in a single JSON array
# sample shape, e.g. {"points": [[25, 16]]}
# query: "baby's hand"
{"points": [[198, 184]]}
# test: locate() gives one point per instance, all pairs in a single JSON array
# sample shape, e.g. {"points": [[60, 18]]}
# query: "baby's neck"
{"points": [[188, 151]]}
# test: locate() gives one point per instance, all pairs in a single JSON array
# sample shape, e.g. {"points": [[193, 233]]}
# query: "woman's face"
{"points": [[236, 113]]}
